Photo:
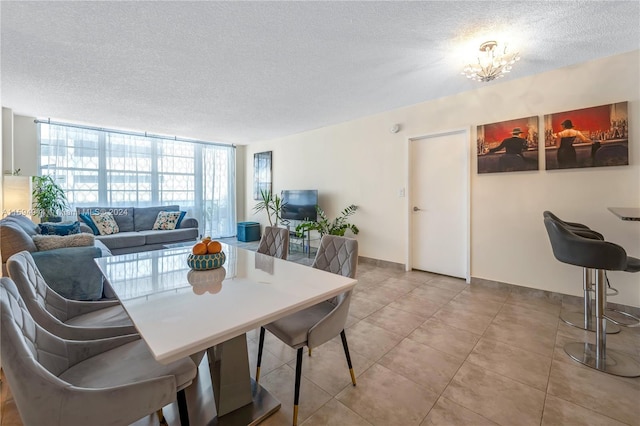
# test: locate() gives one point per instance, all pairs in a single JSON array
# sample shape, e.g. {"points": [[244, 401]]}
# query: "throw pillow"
{"points": [[68, 228], [86, 218], [50, 242], [167, 220], [105, 223], [180, 219]]}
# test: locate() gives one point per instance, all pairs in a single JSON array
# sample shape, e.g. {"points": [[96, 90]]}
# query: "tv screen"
{"points": [[299, 204]]}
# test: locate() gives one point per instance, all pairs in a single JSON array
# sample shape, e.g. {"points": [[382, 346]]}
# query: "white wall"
{"points": [[25, 143], [361, 162]]}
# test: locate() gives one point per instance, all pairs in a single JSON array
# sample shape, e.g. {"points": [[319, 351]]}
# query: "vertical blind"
{"points": [[99, 167]]}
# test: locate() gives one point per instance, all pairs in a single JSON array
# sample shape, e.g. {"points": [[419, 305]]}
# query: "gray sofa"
{"points": [[70, 271], [135, 225]]}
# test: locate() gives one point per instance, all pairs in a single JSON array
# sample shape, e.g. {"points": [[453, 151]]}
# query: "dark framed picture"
{"points": [[589, 137], [508, 146], [261, 173]]}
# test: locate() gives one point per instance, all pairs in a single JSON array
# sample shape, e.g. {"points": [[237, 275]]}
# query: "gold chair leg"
{"points": [[161, 419]]}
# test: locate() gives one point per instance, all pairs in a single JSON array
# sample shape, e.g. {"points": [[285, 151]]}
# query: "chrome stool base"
{"points": [[616, 362], [576, 319]]}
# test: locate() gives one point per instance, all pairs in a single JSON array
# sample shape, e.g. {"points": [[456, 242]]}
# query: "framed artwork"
{"points": [[261, 173], [508, 146], [589, 137]]}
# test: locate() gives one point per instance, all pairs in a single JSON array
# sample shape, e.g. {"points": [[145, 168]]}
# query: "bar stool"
{"points": [[585, 319], [601, 256]]}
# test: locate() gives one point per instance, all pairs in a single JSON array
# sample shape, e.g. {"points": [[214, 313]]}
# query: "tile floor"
{"points": [[431, 350]]}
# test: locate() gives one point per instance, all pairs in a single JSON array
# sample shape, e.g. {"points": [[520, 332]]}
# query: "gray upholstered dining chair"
{"points": [[68, 319], [318, 324], [112, 381], [274, 242]]}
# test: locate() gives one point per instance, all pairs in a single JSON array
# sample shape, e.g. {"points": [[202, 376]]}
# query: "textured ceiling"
{"points": [[239, 72]]}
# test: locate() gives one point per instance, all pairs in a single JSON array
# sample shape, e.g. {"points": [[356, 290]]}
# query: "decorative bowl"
{"points": [[203, 262]]}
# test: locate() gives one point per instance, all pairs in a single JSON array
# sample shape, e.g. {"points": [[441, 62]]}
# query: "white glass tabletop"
{"points": [[180, 312]]}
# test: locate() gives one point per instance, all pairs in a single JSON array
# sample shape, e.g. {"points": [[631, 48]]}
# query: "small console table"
{"points": [[305, 239]]}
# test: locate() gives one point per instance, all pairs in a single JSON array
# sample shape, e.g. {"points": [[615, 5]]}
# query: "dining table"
{"points": [[180, 312]]}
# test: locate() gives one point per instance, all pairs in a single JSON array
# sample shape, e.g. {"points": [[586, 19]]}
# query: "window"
{"points": [[98, 167]]}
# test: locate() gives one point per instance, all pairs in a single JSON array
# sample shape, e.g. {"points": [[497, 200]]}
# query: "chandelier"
{"points": [[491, 64]]}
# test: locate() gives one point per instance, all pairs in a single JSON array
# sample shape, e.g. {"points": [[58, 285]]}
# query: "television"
{"points": [[299, 204]]}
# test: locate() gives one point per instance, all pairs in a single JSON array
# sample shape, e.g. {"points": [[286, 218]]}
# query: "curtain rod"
{"points": [[122, 132]]}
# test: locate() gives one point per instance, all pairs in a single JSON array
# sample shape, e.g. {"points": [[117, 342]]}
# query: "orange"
{"points": [[214, 247], [206, 240], [199, 248]]}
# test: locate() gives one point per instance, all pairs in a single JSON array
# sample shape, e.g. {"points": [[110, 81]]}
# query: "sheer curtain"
{"points": [[98, 167]]}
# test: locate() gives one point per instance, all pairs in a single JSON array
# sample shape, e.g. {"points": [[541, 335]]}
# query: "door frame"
{"points": [[466, 131]]}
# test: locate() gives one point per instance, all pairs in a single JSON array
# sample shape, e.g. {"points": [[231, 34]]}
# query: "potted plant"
{"points": [[323, 225], [49, 199], [272, 204]]}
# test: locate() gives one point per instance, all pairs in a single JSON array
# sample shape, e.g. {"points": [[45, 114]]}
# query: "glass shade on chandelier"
{"points": [[491, 63]]}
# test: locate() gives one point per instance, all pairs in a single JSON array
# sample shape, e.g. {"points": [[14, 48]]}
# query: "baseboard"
{"points": [[381, 263], [550, 296]]}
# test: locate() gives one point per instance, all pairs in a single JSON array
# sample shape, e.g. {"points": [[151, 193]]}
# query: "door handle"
{"points": [[416, 209]]}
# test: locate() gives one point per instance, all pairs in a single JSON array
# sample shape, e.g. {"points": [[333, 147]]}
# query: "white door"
{"points": [[439, 203]]}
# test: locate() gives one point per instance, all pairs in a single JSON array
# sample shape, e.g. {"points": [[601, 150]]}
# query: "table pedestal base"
{"points": [[263, 405], [239, 399]]}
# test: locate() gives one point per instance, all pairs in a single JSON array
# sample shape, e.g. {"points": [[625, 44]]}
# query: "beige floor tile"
{"points": [[448, 413], [277, 348], [448, 283], [518, 364], [385, 398], [281, 383], [417, 306], [370, 340], [623, 341], [522, 341], [376, 275], [382, 294], [445, 338], [400, 284], [418, 276], [327, 367], [351, 320], [335, 413], [361, 307], [535, 300], [490, 293], [433, 294], [537, 339], [495, 397], [560, 412], [10, 415], [465, 301], [426, 366], [465, 320], [606, 394], [397, 321], [526, 315], [269, 361]]}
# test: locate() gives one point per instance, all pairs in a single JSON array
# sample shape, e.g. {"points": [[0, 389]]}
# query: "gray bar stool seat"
{"points": [[584, 319], [602, 256]]}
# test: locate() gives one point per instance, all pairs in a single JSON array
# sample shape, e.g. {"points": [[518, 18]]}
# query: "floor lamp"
{"points": [[16, 197]]}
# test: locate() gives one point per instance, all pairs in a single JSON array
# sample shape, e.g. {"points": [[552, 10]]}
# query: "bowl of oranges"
{"points": [[206, 254]]}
